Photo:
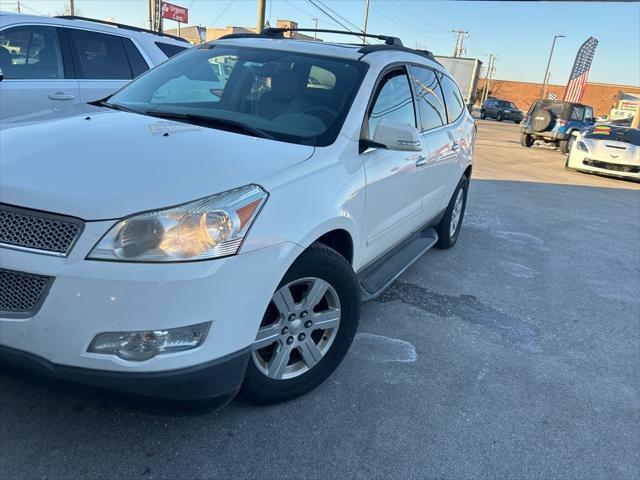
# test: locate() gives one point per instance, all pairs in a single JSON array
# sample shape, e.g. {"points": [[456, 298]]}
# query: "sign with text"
{"points": [[175, 13]]}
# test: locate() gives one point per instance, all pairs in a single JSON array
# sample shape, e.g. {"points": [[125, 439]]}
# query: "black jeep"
{"points": [[554, 121]]}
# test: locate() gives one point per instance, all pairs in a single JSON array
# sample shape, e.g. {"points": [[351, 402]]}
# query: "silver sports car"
{"points": [[607, 150]]}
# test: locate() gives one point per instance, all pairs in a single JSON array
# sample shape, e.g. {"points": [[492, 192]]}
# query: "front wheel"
{"points": [[449, 227], [307, 329], [483, 114], [500, 117]]}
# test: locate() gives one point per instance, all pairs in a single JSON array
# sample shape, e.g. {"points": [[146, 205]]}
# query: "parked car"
{"points": [[554, 121], [500, 110], [187, 250], [607, 150], [51, 62]]}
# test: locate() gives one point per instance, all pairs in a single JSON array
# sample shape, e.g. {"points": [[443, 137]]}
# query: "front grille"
{"points": [[23, 228], [616, 167], [22, 294]]}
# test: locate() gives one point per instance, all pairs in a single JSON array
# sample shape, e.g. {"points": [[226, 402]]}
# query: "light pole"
{"points": [[544, 80]]}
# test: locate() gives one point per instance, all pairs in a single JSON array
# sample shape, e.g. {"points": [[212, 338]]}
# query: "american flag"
{"points": [[580, 71]]}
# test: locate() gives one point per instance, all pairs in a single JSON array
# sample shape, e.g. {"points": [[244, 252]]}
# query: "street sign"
{"points": [[175, 13]]}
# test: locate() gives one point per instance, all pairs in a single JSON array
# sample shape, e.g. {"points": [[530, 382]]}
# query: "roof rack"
{"points": [[279, 32], [120, 25], [376, 48]]}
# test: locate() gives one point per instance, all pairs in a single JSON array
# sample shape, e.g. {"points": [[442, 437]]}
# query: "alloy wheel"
{"points": [[456, 213], [298, 328]]}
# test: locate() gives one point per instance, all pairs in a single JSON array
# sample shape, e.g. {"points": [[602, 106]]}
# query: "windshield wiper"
{"points": [[114, 106], [211, 121]]}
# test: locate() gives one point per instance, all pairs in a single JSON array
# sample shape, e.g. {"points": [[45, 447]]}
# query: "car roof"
{"points": [[12, 18]]}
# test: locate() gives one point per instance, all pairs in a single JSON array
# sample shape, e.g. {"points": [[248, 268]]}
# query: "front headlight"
{"points": [[580, 145], [207, 228]]}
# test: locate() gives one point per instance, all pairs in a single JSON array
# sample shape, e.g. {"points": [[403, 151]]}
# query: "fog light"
{"points": [[143, 345]]}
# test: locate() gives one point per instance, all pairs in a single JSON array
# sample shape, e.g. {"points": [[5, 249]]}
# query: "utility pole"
{"points": [[261, 14], [544, 80], [150, 13], [460, 36], [315, 34], [72, 9], [18, 6], [366, 20], [487, 78]]}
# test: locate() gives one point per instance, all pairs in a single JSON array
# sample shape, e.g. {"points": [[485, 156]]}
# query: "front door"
{"points": [[394, 202]]}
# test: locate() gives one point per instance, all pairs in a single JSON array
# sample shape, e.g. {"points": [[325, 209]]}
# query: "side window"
{"points": [[393, 101], [588, 114], [453, 100], [429, 98], [31, 52], [169, 49], [101, 56], [136, 62], [577, 113]]}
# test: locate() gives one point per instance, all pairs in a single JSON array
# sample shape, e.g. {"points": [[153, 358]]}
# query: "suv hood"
{"points": [[105, 164]]}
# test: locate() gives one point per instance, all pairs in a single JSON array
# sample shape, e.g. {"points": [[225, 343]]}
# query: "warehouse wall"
{"points": [[601, 96]]}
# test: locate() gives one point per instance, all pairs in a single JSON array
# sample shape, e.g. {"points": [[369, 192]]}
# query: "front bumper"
{"points": [[91, 297], [215, 383], [582, 162]]}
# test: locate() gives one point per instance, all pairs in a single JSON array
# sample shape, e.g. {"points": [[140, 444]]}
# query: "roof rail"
{"points": [[376, 48], [279, 32], [241, 35], [120, 25]]}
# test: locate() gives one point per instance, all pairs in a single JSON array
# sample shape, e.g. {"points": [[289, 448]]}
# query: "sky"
{"points": [[519, 33]]}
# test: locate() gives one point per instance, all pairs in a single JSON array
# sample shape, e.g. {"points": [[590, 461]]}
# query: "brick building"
{"points": [[601, 96]]}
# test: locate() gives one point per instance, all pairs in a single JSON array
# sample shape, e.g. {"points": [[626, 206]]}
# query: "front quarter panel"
{"points": [[310, 199]]}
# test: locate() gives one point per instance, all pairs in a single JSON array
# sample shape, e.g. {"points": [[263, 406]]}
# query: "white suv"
{"points": [[51, 62], [185, 250]]}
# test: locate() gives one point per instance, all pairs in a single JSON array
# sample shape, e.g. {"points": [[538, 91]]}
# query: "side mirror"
{"points": [[575, 134], [394, 135]]}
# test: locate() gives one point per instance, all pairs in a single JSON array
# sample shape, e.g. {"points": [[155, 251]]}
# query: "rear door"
{"points": [[37, 71], [435, 158], [394, 198], [104, 62]]}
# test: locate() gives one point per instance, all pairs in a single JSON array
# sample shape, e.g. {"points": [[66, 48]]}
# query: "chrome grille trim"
{"points": [[22, 293], [39, 232]]}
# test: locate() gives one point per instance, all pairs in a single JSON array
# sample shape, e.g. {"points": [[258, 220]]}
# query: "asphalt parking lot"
{"points": [[514, 355]]}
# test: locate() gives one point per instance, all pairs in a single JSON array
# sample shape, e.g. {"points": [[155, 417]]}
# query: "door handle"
{"points": [[421, 161], [455, 147], [61, 96]]}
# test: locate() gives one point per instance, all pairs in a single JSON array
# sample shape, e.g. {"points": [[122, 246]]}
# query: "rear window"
{"points": [[555, 108], [618, 134], [169, 49]]}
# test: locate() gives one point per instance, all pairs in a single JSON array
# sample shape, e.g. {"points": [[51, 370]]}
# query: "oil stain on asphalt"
{"points": [[465, 307]]}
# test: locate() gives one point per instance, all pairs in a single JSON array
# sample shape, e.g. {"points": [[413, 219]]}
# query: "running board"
{"points": [[377, 277]]}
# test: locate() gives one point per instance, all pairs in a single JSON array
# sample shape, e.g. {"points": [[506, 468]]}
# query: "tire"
{"points": [[483, 114], [500, 117], [317, 264], [541, 120], [565, 145], [447, 235], [526, 140]]}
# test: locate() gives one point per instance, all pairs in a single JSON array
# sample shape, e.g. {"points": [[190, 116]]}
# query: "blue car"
{"points": [[554, 121]]}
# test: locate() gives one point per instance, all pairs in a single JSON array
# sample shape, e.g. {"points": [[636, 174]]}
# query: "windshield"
{"points": [[611, 133], [504, 104], [276, 94]]}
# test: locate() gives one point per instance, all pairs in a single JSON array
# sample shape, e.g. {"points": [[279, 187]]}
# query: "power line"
{"points": [[224, 10], [340, 16], [331, 17]]}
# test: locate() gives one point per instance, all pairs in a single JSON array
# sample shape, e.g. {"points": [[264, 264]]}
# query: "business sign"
{"points": [[175, 13]]}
